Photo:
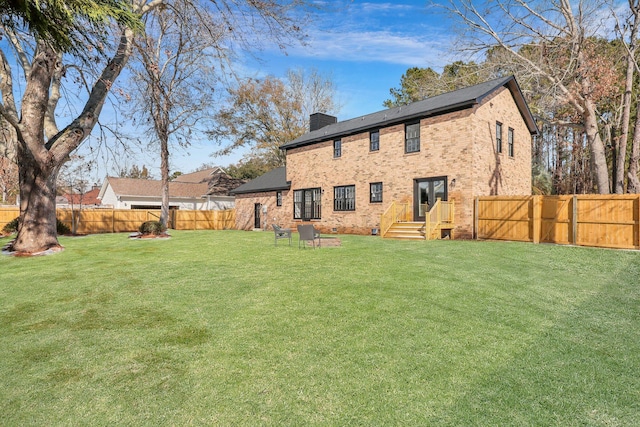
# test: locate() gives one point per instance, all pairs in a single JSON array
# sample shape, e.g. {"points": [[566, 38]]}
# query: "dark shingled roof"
{"points": [[447, 102], [273, 180]]}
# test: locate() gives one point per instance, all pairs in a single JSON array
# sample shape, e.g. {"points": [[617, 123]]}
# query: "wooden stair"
{"points": [[396, 223], [408, 230]]}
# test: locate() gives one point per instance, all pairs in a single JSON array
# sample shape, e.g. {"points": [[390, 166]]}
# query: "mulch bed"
{"points": [[149, 236], [328, 242]]}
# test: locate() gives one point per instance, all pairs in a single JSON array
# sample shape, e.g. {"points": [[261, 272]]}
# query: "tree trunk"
{"points": [[39, 160], [37, 229], [164, 171], [596, 148], [621, 160], [634, 182]]}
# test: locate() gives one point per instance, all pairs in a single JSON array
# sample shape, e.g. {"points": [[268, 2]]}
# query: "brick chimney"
{"points": [[320, 120]]}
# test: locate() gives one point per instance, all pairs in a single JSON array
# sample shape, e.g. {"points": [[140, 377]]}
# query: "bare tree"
{"points": [[265, 114], [74, 180], [175, 80], [177, 77], [42, 147], [631, 25], [550, 40], [8, 166], [8, 179]]}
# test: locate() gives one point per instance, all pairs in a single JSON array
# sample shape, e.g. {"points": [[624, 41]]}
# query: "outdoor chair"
{"points": [[308, 233], [281, 233]]}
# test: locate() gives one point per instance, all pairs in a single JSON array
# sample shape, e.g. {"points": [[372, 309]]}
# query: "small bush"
{"points": [[152, 227], [12, 227], [62, 228]]}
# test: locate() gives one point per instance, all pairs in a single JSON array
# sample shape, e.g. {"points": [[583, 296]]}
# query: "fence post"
{"points": [[537, 218], [476, 217], [638, 223], [574, 220]]}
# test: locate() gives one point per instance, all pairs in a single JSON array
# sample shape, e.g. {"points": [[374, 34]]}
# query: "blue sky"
{"points": [[364, 46]]}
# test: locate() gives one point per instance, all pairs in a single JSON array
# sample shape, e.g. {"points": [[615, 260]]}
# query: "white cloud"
{"points": [[407, 34], [377, 46]]}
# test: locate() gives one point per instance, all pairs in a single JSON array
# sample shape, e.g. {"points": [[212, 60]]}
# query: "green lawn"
{"points": [[223, 328]]}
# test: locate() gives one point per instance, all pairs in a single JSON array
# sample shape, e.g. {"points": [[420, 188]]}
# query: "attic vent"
{"points": [[320, 120]]}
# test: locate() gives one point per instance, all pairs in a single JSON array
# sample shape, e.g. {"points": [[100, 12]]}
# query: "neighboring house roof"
{"points": [[222, 184], [219, 182], [209, 182], [88, 198], [199, 176], [440, 104], [153, 188], [273, 180]]}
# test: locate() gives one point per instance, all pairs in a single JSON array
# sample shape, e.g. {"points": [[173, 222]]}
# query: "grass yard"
{"points": [[222, 328]]}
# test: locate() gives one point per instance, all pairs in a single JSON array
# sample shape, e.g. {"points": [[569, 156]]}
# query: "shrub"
{"points": [[62, 228], [152, 227], [12, 227]]}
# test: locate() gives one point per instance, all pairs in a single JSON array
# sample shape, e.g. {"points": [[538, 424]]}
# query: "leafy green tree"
{"points": [[417, 83], [67, 26], [250, 168]]}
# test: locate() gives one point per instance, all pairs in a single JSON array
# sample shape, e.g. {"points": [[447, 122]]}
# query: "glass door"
{"points": [[425, 193], [256, 215]]}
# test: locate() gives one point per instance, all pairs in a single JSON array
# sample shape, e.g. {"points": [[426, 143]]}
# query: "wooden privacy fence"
{"points": [[90, 221], [610, 221]]}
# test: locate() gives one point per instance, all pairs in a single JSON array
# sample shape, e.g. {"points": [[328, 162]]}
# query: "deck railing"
{"points": [[441, 215], [397, 212]]}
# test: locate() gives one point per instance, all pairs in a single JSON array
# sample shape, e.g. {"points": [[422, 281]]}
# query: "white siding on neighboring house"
{"points": [[109, 198], [220, 203]]}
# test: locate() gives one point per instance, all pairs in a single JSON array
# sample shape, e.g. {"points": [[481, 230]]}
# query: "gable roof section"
{"points": [[204, 175], [273, 180], [88, 198], [218, 181], [436, 105], [153, 188], [221, 184]]}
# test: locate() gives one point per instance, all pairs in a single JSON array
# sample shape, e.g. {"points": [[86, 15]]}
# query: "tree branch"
{"points": [[70, 138]]}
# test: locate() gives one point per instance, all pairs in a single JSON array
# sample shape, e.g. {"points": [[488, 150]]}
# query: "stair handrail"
{"points": [[439, 214], [396, 212]]}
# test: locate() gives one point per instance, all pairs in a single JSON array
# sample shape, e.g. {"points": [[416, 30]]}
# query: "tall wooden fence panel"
{"points": [[7, 214], [611, 221], [91, 221], [504, 218], [204, 220]]}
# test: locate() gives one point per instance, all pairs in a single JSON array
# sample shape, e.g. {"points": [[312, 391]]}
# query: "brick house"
{"points": [[342, 176]]}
